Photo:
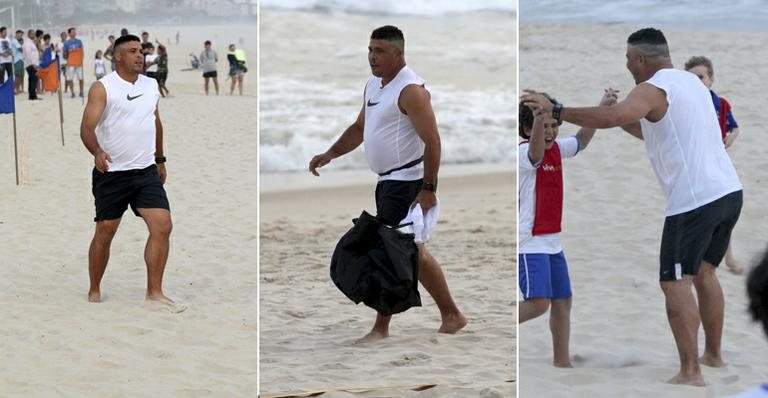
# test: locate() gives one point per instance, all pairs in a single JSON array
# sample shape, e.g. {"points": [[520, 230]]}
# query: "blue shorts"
{"points": [[543, 276]]}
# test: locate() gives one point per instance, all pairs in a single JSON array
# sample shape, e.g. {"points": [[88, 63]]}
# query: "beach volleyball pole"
{"points": [[15, 149], [61, 115]]}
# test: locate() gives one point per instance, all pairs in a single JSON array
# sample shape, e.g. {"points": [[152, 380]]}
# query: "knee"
{"points": [[105, 230], [162, 227], [540, 306]]}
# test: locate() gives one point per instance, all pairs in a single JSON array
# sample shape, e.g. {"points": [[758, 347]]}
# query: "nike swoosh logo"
{"points": [[372, 103], [132, 98]]}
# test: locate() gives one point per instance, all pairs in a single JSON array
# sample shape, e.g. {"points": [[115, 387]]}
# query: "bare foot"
{"points": [[691, 380], [453, 323], [373, 335], [94, 296], [165, 303], [734, 268], [566, 364], [711, 361]]}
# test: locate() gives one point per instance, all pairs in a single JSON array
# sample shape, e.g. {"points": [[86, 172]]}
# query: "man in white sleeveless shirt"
{"points": [[121, 127], [672, 112], [398, 129]]}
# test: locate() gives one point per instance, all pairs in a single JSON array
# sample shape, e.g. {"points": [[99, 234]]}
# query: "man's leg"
{"points": [[98, 255], [432, 278], [216, 84], [31, 83], [380, 330], [560, 326], [232, 87], [206, 85], [532, 308], [684, 321], [81, 85], [711, 310], [156, 252], [240, 84], [730, 261]]}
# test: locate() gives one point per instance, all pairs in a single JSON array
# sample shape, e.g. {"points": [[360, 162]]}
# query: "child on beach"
{"points": [[702, 67], [98, 66], [542, 268], [162, 69]]}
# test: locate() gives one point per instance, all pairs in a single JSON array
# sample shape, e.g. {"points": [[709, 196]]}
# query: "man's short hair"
{"points": [[207, 43], [144, 33], [39, 33], [125, 39], [70, 30], [19, 31], [2, 29], [757, 291], [700, 60], [651, 42], [46, 37], [525, 117], [389, 33]]}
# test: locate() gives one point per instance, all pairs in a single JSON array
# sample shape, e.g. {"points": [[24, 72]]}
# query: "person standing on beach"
{"points": [[208, 60], [402, 145], [18, 62], [73, 52], [672, 112], [6, 56], [542, 268], [237, 68], [31, 63], [121, 128], [110, 51]]}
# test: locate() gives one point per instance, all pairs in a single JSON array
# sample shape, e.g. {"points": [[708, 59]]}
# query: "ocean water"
{"points": [[395, 7], [705, 14], [299, 119]]}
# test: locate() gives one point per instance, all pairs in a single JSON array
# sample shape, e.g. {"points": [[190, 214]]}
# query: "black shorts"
{"points": [[701, 234], [394, 198], [210, 74], [152, 75], [115, 190], [162, 76]]}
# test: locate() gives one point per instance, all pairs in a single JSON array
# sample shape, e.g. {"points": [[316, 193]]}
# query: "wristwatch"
{"points": [[556, 109], [160, 159], [429, 186]]}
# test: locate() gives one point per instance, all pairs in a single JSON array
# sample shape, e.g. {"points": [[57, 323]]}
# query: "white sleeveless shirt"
{"points": [[685, 147], [126, 131], [389, 138]]}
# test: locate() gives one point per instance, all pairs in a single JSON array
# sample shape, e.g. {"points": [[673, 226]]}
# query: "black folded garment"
{"points": [[377, 265]]}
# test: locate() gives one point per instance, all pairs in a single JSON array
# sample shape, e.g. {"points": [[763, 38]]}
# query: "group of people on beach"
{"points": [[686, 129]]}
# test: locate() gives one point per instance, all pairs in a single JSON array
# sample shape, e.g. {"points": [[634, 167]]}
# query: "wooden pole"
{"points": [[15, 148]]}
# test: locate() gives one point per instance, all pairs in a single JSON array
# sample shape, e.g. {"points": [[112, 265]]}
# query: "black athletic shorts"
{"points": [[394, 199], [701, 234], [210, 74], [115, 190]]}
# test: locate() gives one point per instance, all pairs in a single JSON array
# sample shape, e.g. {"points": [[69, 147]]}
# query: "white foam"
{"points": [[396, 7]]}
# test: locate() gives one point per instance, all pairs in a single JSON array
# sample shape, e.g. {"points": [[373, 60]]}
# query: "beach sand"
{"points": [[55, 343], [307, 326], [614, 213]]}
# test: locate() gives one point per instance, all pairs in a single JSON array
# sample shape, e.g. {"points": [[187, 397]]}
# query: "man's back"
{"points": [[684, 147]]}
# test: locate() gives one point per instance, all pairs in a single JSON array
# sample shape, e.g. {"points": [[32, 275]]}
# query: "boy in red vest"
{"points": [[542, 269], [702, 67]]}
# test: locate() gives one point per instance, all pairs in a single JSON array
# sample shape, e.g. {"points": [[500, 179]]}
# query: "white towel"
{"points": [[422, 225]]}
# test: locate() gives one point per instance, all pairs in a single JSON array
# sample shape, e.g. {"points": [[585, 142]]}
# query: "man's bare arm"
{"points": [[161, 171], [634, 129], [415, 102], [97, 101]]}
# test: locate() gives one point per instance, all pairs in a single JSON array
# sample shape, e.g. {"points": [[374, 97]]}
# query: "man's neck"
{"points": [[128, 76], [386, 79]]}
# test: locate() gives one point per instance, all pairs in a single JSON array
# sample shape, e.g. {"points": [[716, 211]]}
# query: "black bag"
{"points": [[377, 265]]}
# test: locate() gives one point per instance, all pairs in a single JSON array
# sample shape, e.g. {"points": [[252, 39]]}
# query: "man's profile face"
{"points": [[129, 56], [634, 64], [383, 57]]}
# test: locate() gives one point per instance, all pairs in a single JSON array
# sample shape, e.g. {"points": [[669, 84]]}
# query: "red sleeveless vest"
{"points": [[548, 214]]}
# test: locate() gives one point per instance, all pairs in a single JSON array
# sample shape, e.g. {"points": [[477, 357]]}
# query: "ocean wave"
{"points": [[394, 7]]}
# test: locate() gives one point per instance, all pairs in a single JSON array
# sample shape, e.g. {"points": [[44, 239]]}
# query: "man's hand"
{"points": [[101, 159], [319, 161], [537, 102], [427, 200], [730, 138], [162, 172]]}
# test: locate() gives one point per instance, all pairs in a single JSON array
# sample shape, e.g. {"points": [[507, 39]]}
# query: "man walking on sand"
{"points": [[671, 110], [121, 127], [398, 128]]}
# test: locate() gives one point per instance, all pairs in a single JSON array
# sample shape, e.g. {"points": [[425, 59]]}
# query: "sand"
{"points": [[55, 343], [613, 217], [307, 326]]}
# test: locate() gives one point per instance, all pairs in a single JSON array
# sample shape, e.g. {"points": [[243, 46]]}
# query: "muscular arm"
{"points": [[159, 145], [350, 139], [97, 101], [634, 129], [644, 100], [415, 102]]}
